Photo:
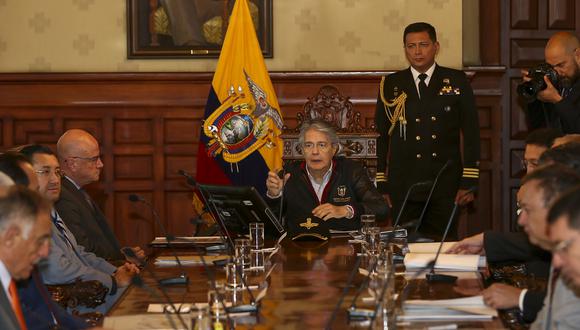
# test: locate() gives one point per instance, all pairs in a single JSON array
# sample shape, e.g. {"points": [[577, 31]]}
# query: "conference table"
{"points": [[304, 282]]}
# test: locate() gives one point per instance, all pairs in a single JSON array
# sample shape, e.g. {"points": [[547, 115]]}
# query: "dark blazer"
{"points": [[563, 116], [349, 184], [504, 247], [87, 223], [433, 128], [8, 320], [39, 309]]}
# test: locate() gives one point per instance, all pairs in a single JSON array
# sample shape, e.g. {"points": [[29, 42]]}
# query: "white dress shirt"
{"points": [[416, 74]]}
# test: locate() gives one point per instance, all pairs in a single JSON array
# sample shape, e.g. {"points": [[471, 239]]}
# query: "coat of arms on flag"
{"points": [[238, 128], [240, 139]]}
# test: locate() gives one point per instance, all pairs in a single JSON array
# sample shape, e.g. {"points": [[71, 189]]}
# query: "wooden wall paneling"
{"points": [[490, 32], [149, 125], [524, 14], [561, 14], [526, 27]]}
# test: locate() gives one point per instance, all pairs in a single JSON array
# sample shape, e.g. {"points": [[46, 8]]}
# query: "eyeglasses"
{"points": [[529, 162], [562, 247], [322, 146], [89, 159], [46, 172]]}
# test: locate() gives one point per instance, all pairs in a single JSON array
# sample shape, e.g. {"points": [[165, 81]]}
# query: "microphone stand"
{"points": [[138, 281], [431, 194], [413, 186], [431, 276], [344, 292], [253, 307], [352, 312], [222, 231], [182, 279]]}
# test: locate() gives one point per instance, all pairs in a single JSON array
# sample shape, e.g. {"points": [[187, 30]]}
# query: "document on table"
{"points": [[143, 321], [188, 260], [455, 262], [469, 308], [429, 247], [188, 240]]}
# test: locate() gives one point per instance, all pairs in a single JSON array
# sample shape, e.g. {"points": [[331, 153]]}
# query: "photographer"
{"points": [[558, 107]]}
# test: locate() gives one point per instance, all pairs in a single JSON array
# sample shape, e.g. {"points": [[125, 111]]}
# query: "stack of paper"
{"points": [[420, 254], [144, 321], [470, 308], [429, 247], [188, 260], [455, 262], [188, 240]]}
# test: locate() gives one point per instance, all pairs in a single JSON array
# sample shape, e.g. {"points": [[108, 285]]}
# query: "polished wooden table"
{"points": [[303, 288]]}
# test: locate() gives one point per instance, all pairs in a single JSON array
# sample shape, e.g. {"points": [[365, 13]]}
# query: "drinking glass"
{"points": [[234, 274], [257, 235], [242, 252], [373, 239], [366, 221], [200, 318]]}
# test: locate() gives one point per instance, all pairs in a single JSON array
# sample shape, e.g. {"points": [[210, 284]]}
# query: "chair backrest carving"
{"points": [[330, 105], [356, 140]]}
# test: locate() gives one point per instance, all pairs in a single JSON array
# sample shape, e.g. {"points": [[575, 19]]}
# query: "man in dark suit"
{"points": [[24, 240], [538, 191], [559, 108], [421, 114], [79, 156]]}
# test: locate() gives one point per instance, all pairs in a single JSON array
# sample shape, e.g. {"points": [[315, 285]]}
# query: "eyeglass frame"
{"points": [[88, 159], [528, 162], [322, 146], [47, 171], [562, 247]]}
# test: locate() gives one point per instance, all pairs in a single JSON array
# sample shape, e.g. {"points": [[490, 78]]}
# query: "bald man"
{"points": [[80, 161], [559, 109]]}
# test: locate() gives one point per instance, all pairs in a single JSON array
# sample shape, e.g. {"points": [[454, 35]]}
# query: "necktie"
{"points": [[422, 85], [16, 304], [60, 226], [88, 199]]}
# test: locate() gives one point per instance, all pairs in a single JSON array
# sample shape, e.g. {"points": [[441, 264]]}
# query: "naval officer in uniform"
{"points": [[422, 112]]}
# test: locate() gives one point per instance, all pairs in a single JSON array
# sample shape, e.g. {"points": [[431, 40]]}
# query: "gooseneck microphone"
{"points": [[182, 278], [253, 307], [411, 188], [447, 164], [344, 292], [138, 281], [221, 226], [431, 276], [282, 193]]}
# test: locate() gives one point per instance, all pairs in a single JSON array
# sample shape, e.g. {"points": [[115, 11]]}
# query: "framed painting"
{"points": [[189, 28]]}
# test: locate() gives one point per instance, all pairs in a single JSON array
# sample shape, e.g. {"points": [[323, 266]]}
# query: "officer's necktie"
{"points": [[16, 304], [422, 85]]}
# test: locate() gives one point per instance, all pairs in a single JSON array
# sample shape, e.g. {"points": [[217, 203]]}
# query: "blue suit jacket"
{"points": [[40, 311]]}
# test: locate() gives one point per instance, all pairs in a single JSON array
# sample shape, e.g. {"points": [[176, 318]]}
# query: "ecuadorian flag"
{"points": [[240, 141]]}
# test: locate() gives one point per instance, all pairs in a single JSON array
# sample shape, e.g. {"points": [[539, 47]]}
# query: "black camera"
{"points": [[530, 89]]}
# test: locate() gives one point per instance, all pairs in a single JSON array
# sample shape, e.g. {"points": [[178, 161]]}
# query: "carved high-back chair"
{"points": [[356, 141]]}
